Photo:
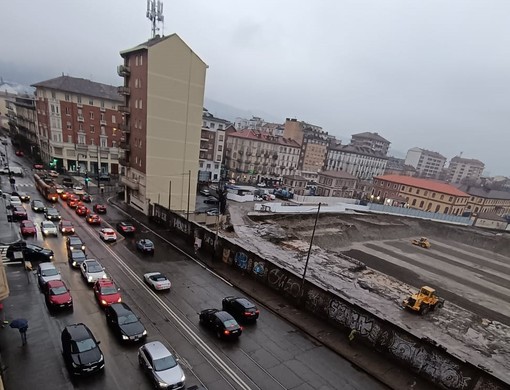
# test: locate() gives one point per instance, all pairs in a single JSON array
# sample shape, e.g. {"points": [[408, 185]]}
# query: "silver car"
{"points": [[46, 272], [161, 366], [48, 228]]}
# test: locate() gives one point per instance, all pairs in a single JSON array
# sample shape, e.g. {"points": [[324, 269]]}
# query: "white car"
{"points": [[53, 173], [48, 228], [107, 234], [15, 201], [157, 281], [78, 187], [92, 271]]}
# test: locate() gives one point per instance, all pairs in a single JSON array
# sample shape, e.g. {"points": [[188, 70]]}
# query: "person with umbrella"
{"points": [[22, 325]]}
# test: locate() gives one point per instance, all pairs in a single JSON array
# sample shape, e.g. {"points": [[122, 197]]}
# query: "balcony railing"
{"points": [[125, 109], [80, 118], [124, 161], [125, 128], [125, 145], [123, 90], [102, 123], [123, 70], [128, 182]]}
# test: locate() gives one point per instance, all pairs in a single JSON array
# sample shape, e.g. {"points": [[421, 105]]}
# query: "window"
{"points": [[104, 142], [78, 99], [53, 94], [81, 139], [140, 104], [417, 191], [80, 126], [136, 64], [67, 97], [212, 126], [102, 103], [91, 115], [414, 202], [91, 102], [433, 195], [220, 138], [442, 197], [70, 139], [68, 111], [92, 130], [114, 119], [136, 103], [102, 117], [141, 63], [69, 127], [220, 148]]}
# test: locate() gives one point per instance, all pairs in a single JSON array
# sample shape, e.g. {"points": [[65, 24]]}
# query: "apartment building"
{"points": [[164, 83], [338, 184], [371, 140], [428, 164], [23, 123], [78, 124], [486, 200], [397, 166], [212, 146], [253, 156], [422, 194], [360, 161], [464, 168]]}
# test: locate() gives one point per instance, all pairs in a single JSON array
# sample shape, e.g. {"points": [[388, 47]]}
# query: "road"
{"points": [[269, 355]]}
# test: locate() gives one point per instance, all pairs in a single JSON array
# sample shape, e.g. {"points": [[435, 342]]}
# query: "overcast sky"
{"points": [[428, 73]]}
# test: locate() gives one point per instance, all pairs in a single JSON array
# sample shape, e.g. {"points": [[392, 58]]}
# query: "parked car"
{"points": [[213, 212], [124, 322], [28, 228], [240, 308], [81, 351], [161, 366], [76, 257], [57, 295], [92, 270], [77, 187], [13, 201], [157, 281], [74, 242], [48, 228], [19, 213], [45, 272], [66, 227], [145, 246], [99, 208], [205, 192], [106, 292], [211, 200], [108, 234], [38, 206], [52, 214], [220, 322], [125, 228], [93, 219]]}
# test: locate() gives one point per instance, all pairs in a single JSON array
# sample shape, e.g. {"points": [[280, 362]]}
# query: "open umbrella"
{"points": [[19, 323]]}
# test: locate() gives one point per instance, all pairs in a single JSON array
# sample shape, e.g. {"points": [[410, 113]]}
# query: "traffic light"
{"points": [[87, 179], [53, 163]]}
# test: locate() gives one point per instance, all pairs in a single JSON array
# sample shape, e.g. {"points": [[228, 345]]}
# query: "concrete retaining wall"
{"points": [[422, 356]]}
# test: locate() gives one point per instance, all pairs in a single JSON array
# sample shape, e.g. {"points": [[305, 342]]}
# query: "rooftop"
{"points": [[337, 174], [357, 149], [429, 153], [372, 136], [483, 192], [431, 185], [461, 160], [264, 137]]}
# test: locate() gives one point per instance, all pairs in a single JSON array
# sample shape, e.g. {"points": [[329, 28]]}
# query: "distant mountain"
{"points": [[230, 113]]}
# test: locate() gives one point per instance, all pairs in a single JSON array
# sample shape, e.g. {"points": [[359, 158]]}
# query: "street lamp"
{"points": [[310, 248]]}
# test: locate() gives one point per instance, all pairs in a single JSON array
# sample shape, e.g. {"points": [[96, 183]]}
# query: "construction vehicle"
{"points": [[423, 301], [423, 242]]}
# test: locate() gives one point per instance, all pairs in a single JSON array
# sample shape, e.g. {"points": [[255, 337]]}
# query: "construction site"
{"points": [[370, 260]]}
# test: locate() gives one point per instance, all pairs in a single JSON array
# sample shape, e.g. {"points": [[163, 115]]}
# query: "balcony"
{"points": [[124, 161], [125, 145], [79, 105], [125, 128], [102, 123], [123, 70], [102, 109], [128, 182], [125, 110], [123, 90], [80, 118]]}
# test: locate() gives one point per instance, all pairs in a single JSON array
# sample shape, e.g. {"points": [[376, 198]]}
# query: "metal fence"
{"points": [[408, 212]]}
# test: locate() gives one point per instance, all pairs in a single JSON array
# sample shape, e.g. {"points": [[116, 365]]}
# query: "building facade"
{"points": [[254, 157], [464, 168], [397, 166], [422, 194], [359, 161], [212, 147], [336, 184], [78, 124], [295, 183], [428, 164], [23, 123], [164, 83], [485, 200], [372, 141]]}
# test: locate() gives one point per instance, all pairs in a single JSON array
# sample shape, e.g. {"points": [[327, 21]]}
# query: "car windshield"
{"points": [[75, 241], [230, 324], [67, 224], [28, 224], [128, 319], [164, 363], [49, 272], [34, 248], [158, 278], [78, 255], [108, 290], [52, 212], [58, 290], [94, 268], [48, 225], [82, 345]]}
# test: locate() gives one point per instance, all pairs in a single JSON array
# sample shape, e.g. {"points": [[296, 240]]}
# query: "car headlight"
{"points": [[74, 263], [183, 377], [83, 247], [144, 333], [124, 337], [45, 231], [51, 257], [70, 300], [74, 365], [103, 302], [119, 300], [72, 229], [162, 384], [89, 278]]}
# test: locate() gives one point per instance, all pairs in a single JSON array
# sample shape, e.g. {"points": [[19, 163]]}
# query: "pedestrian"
{"points": [[4, 321], [352, 336], [23, 333]]}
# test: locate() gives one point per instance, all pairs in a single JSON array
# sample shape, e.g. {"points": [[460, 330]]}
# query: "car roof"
{"points": [[245, 303], [78, 331], [47, 265], [105, 282], [74, 238], [126, 223], [55, 283], [92, 261], [223, 315], [157, 350]]}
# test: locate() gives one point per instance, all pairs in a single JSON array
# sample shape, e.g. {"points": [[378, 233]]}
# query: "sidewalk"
{"points": [[363, 357]]}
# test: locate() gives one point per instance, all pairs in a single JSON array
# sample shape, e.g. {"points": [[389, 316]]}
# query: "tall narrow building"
{"points": [[164, 83]]}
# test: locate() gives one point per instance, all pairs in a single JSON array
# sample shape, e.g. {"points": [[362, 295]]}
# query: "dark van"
{"points": [[67, 182]]}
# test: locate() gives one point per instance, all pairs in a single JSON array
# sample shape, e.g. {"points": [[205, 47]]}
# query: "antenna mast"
{"points": [[155, 15]]}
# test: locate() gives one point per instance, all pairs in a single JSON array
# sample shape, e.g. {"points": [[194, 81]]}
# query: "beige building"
{"points": [[212, 146], [485, 200], [464, 168], [372, 141], [164, 83], [428, 164], [297, 184], [252, 156], [336, 183]]}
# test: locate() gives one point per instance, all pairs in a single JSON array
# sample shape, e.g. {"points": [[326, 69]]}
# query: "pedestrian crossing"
{"points": [[25, 185], [3, 256]]}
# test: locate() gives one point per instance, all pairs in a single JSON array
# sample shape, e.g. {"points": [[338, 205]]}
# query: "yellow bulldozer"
{"points": [[423, 301], [423, 242]]}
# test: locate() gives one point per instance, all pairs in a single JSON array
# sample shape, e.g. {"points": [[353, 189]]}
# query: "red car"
{"points": [[57, 296], [106, 292], [73, 201], [93, 219], [99, 208], [85, 198], [28, 228], [82, 210], [19, 153], [38, 166], [66, 227], [19, 213], [65, 195], [126, 228]]}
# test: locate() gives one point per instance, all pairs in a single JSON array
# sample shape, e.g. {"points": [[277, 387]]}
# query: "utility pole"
{"points": [[169, 195], [310, 248], [189, 191]]}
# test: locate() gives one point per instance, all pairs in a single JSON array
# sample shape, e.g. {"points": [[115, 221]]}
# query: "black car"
{"points": [[30, 252], [24, 197], [220, 322], [52, 214], [74, 242], [81, 351], [211, 200], [124, 322], [240, 308], [67, 182], [125, 228], [76, 257], [38, 206]]}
